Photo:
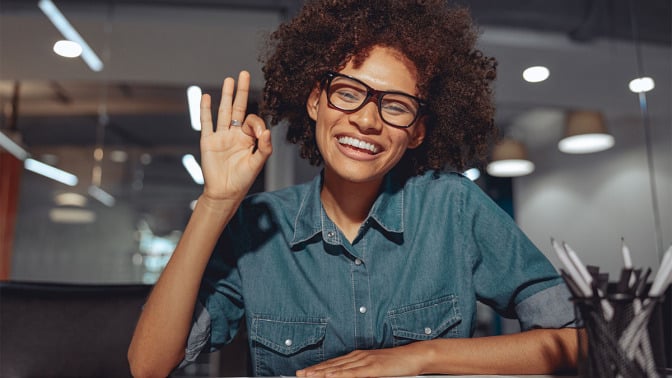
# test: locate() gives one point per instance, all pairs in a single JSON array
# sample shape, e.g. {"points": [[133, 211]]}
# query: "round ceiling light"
{"points": [[68, 49], [536, 74]]}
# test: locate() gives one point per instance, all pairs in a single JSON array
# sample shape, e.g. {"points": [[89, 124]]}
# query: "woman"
{"points": [[373, 268]]}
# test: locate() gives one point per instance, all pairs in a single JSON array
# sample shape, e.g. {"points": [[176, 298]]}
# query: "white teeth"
{"points": [[358, 144]]}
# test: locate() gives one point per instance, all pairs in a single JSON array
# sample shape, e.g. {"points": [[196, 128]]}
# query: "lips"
{"points": [[358, 144]]}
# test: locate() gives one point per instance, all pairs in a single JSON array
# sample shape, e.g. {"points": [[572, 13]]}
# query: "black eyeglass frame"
{"points": [[370, 95]]}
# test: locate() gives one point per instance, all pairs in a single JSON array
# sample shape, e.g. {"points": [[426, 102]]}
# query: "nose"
{"points": [[367, 118]]}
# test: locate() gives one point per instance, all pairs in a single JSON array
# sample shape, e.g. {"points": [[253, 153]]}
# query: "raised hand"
{"points": [[233, 153]]}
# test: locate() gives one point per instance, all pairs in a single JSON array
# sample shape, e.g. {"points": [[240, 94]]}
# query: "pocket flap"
{"points": [[425, 320], [287, 336]]}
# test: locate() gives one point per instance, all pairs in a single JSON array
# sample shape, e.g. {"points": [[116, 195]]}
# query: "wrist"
{"points": [[217, 205], [425, 352]]}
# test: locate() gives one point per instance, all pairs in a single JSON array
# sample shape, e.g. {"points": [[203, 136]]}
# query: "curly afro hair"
{"points": [[454, 77]]}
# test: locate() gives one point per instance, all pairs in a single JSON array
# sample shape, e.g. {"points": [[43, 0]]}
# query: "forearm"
{"points": [[541, 351], [162, 330]]}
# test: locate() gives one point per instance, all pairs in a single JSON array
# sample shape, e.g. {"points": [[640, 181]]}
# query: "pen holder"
{"points": [[627, 342]]}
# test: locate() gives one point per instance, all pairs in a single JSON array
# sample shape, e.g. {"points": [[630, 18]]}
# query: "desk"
{"points": [[432, 376]]}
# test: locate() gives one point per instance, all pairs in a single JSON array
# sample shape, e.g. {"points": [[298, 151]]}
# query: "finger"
{"points": [[329, 366], [242, 93], [256, 128], [224, 113], [206, 116]]}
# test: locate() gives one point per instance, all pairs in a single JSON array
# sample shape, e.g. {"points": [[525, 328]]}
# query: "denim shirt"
{"points": [[428, 250]]}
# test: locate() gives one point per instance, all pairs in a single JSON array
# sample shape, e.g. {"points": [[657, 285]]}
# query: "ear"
{"points": [[313, 102], [418, 134]]}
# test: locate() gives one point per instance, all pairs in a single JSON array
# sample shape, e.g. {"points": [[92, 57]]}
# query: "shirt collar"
{"points": [[308, 220], [387, 211]]}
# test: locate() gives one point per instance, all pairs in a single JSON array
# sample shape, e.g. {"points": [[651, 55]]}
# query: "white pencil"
{"points": [[663, 276], [583, 286], [607, 308]]}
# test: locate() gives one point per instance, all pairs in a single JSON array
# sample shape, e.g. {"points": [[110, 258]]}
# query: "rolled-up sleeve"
{"points": [[199, 335], [548, 308]]}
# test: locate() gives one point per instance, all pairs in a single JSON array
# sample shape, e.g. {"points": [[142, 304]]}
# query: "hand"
{"points": [[232, 156], [367, 363]]}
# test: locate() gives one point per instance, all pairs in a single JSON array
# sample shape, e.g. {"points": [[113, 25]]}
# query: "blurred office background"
{"points": [[134, 112], [124, 129]]}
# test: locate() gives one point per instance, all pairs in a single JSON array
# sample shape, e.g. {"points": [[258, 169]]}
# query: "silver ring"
{"points": [[235, 122]]}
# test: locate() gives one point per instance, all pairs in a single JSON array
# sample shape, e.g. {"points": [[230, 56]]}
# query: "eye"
{"points": [[397, 107], [348, 94]]}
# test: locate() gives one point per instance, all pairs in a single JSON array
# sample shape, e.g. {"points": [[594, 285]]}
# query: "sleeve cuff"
{"points": [[198, 336], [549, 308]]}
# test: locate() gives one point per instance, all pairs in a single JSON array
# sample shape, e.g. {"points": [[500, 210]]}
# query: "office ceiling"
{"points": [[154, 49]]}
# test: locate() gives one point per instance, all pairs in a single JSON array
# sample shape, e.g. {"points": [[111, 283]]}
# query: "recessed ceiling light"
{"points": [[67, 49], [72, 216], [70, 199], [642, 84], [536, 74]]}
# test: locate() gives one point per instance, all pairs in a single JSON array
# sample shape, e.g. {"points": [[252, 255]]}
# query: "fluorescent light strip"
{"points": [[194, 99], [102, 196], [194, 169], [12, 147], [50, 172], [62, 24]]}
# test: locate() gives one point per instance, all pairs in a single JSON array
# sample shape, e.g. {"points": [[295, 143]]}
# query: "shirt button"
{"points": [[288, 342], [358, 262], [330, 234], [362, 309], [428, 331]]}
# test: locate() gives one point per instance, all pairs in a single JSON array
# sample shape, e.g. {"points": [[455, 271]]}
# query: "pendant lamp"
{"points": [[509, 159], [585, 133]]}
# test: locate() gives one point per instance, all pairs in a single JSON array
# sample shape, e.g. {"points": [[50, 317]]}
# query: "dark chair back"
{"points": [[65, 330]]}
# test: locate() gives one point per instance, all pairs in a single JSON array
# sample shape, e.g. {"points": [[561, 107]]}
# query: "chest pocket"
{"points": [[426, 320], [281, 346]]}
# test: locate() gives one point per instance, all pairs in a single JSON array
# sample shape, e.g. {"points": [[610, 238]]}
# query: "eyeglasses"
{"points": [[346, 93]]}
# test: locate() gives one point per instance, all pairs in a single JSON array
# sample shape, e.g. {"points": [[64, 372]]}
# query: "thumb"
{"points": [[264, 143]]}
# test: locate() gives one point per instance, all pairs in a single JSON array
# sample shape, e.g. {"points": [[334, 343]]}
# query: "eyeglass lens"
{"points": [[394, 108]]}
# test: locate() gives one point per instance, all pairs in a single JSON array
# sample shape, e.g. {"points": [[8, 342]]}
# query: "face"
{"points": [[358, 146]]}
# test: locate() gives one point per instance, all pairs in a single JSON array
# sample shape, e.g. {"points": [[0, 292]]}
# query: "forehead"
{"points": [[384, 68]]}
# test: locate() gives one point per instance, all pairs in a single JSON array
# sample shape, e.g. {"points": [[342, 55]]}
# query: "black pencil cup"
{"points": [[620, 336]]}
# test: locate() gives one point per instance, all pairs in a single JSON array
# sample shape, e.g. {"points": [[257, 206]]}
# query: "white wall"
{"points": [[591, 201]]}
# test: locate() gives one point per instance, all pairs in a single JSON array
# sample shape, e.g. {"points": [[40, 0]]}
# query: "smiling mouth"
{"points": [[358, 144]]}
